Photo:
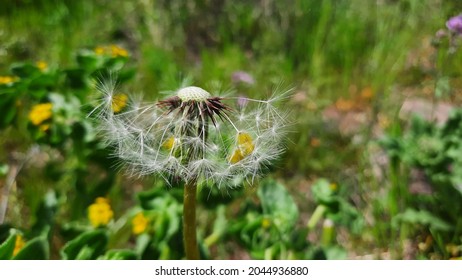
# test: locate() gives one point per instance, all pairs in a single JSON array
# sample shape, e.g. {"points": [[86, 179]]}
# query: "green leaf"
{"points": [[4, 169], [7, 247], [142, 242], [79, 248], [45, 213], [335, 253], [421, 217], [443, 87], [85, 253], [24, 70], [323, 193], [278, 203], [121, 254], [88, 60], [35, 249], [77, 78]]}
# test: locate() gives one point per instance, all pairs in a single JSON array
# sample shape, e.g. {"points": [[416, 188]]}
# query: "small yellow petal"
{"points": [[243, 138], [245, 144], [139, 223], [18, 245], [119, 101], [236, 157], [169, 144]]}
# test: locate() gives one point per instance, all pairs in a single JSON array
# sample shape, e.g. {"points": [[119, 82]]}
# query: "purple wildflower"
{"points": [[454, 24], [242, 77]]}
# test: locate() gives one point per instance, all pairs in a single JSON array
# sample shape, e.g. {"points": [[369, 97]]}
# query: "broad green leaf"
{"points": [[24, 70], [142, 242], [323, 193], [35, 249], [96, 240], [88, 60], [7, 247], [422, 217], [278, 203]]}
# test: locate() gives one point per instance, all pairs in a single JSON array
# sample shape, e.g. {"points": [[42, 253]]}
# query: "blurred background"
{"points": [[373, 168]]}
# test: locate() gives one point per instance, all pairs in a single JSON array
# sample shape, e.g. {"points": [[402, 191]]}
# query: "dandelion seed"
{"points": [[195, 135]]}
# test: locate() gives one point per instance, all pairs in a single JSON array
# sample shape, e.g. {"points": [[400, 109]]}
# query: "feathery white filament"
{"points": [[181, 141]]}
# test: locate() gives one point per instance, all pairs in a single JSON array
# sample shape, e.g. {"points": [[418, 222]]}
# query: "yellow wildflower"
{"points": [[112, 50], [5, 80], [18, 245], [100, 212], [40, 113], [119, 101], [139, 223], [99, 50], [265, 223], [118, 51], [333, 186], [245, 147], [42, 65]]}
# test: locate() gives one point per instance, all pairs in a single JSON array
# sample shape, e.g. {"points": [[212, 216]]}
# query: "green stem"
{"points": [[189, 221], [317, 215]]}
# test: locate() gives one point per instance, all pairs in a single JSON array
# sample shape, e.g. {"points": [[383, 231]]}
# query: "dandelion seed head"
{"points": [[194, 135], [193, 94]]}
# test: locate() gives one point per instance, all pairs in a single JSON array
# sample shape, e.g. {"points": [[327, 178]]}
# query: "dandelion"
{"points": [[112, 50], [118, 51], [194, 136], [139, 223], [40, 113], [100, 212], [99, 50], [42, 65], [18, 245], [7, 80]]}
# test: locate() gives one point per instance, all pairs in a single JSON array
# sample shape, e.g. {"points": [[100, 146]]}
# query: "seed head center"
{"points": [[193, 94]]}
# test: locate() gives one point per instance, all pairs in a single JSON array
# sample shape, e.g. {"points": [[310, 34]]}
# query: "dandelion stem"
{"points": [[189, 221]]}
